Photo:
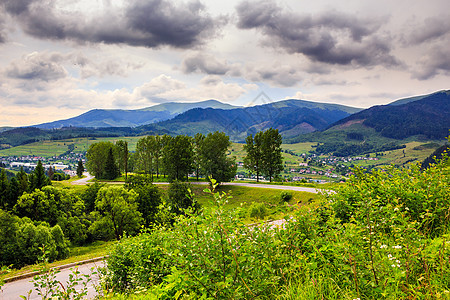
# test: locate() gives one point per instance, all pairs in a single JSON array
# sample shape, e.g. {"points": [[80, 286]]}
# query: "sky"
{"points": [[61, 58]]}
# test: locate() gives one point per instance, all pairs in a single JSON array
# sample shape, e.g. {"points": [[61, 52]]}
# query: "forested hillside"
{"points": [[429, 116]]}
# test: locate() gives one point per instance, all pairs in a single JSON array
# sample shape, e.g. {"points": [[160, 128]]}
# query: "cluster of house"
{"points": [[29, 163]]}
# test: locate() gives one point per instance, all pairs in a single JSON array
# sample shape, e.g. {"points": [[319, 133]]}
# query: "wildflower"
{"points": [[383, 246], [393, 266], [397, 247]]}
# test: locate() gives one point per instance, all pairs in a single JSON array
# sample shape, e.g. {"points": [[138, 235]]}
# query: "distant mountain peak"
{"points": [[97, 118]]}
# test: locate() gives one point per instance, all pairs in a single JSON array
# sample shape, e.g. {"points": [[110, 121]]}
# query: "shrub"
{"points": [[180, 196], [286, 196], [258, 211]]}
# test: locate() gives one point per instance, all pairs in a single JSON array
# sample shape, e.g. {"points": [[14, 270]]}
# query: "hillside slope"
{"points": [[428, 117]]}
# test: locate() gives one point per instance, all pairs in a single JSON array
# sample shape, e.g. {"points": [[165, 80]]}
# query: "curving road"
{"points": [[84, 181], [15, 289]]}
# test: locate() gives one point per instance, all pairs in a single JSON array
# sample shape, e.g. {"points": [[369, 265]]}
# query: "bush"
{"points": [[180, 197], [258, 211], [286, 196]]}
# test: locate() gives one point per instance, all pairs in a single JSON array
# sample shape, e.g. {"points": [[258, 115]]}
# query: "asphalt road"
{"points": [[13, 290], [88, 177]]}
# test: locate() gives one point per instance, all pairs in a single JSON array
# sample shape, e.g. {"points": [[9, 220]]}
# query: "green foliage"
{"points": [[149, 200], [4, 190], [382, 235], [101, 160], [253, 158], [264, 154], [122, 156], [213, 157], [178, 157], [21, 240], [258, 211], [80, 169], [437, 155], [38, 178], [349, 149], [111, 168], [90, 194], [179, 197], [286, 196], [119, 210]]}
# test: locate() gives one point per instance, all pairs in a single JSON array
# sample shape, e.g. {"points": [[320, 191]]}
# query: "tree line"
{"points": [[178, 157], [175, 157]]}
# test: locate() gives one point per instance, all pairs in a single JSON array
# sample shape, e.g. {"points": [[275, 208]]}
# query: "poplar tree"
{"points": [[80, 168], [264, 154]]}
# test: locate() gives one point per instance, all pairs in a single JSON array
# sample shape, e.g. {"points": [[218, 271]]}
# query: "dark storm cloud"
{"points": [[437, 61], [37, 67], [204, 63], [331, 37], [151, 23]]}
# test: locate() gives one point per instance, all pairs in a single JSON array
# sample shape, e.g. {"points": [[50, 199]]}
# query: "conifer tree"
{"points": [[39, 178], [80, 169], [22, 179], [4, 189], [111, 169]]}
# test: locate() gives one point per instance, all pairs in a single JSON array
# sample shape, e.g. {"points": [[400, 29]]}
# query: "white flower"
{"points": [[393, 266], [383, 246], [397, 247]]}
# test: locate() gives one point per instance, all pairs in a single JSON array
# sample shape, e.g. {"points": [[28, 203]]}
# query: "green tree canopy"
{"points": [[122, 156], [111, 169], [179, 196], [253, 159], [213, 157], [39, 179], [264, 153], [97, 156], [119, 209], [80, 169], [272, 163], [178, 157]]}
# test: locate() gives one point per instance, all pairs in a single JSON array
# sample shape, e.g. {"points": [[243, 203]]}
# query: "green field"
{"points": [[55, 148]]}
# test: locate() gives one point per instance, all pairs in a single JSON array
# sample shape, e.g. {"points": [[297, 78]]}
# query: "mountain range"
{"points": [[98, 118], [426, 116]]}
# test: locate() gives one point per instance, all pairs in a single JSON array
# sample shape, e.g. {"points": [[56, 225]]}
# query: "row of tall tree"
{"points": [[176, 157], [264, 154]]}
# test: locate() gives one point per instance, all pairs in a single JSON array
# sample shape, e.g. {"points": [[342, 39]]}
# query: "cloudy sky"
{"points": [[60, 58]]}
